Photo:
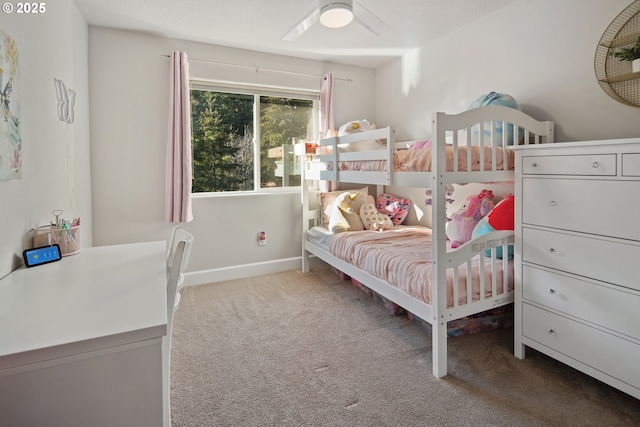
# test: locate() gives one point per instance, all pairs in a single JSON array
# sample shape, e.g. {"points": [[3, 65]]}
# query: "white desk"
{"points": [[81, 339]]}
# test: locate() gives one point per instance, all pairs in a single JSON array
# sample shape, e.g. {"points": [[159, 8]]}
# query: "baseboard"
{"points": [[245, 270]]}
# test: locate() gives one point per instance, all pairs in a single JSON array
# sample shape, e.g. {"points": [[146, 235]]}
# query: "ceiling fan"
{"points": [[336, 14]]}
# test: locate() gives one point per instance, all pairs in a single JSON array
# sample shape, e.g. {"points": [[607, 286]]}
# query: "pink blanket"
{"points": [[402, 257]]}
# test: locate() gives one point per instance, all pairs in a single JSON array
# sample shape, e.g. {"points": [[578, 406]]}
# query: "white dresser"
{"points": [[577, 253]]}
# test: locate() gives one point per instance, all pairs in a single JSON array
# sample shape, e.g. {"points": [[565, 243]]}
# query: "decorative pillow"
{"points": [[420, 144], [374, 220], [344, 217], [394, 207], [327, 201]]}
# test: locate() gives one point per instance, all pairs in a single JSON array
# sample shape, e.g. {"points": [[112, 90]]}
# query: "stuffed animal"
{"points": [[501, 217], [463, 221], [494, 98], [344, 216], [355, 126]]}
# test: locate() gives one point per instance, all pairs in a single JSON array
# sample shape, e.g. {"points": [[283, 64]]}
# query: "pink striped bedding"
{"points": [[402, 257]]}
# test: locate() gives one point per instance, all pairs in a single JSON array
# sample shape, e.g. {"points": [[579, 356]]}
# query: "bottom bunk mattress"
{"points": [[402, 257]]}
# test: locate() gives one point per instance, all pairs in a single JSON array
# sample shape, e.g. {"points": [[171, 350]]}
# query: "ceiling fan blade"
{"points": [[303, 25], [368, 20]]}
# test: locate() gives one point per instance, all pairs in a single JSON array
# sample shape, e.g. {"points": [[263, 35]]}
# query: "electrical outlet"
{"points": [[262, 238]]}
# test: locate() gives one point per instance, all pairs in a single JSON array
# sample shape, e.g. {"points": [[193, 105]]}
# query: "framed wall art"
{"points": [[10, 133]]}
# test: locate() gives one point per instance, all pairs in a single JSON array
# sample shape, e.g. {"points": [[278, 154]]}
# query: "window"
{"points": [[242, 137]]}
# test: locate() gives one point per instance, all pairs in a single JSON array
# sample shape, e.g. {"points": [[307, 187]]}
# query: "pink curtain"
{"points": [[327, 126], [178, 173], [326, 105]]}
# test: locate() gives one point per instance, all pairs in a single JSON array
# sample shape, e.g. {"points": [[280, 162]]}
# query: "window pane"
{"points": [[282, 122], [222, 141]]}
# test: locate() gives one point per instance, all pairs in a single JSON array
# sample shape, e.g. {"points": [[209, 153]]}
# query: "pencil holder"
{"points": [[67, 238]]}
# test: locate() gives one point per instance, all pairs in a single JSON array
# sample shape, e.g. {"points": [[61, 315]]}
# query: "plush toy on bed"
{"points": [[494, 98], [463, 221], [501, 217], [356, 126], [345, 215]]}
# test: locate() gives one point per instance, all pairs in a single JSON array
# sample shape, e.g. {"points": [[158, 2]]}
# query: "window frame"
{"points": [[258, 91]]}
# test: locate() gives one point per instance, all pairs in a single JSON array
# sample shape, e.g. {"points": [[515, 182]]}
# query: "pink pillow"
{"points": [[395, 208], [420, 144]]}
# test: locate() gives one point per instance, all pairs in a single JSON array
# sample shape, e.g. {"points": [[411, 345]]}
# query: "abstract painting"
{"points": [[10, 135]]}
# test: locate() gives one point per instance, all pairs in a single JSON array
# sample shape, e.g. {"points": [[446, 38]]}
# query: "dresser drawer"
{"points": [[631, 165], [607, 208], [600, 259], [583, 164], [607, 353], [615, 309]]}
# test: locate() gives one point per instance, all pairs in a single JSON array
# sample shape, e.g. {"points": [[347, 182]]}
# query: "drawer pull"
{"points": [[551, 331], [534, 165], [553, 251], [553, 203], [551, 291], [596, 165]]}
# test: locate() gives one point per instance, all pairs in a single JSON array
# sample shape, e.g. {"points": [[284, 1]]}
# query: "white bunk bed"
{"points": [[452, 134]]}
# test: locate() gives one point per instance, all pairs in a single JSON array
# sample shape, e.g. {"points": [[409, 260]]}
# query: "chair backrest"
{"points": [[179, 235], [172, 282]]}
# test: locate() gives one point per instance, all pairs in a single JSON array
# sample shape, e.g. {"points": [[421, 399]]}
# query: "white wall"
{"points": [[539, 51], [51, 45], [129, 106]]}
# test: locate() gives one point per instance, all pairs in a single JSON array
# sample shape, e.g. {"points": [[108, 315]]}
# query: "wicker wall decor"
{"points": [[615, 76]]}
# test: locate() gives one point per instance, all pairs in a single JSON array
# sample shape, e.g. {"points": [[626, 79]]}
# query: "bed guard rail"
{"points": [[352, 148], [462, 258]]}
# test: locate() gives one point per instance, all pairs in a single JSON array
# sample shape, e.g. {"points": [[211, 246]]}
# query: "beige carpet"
{"points": [[293, 349]]}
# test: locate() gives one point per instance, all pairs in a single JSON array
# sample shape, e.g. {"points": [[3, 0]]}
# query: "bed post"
{"points": [[304, 192], [439, 249]]}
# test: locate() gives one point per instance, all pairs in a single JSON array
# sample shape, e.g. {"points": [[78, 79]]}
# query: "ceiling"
{"points": [[260, 24]]}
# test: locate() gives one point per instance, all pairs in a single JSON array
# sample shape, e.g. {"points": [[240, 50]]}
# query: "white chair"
{"points": [[178, 234], [177, 260]]}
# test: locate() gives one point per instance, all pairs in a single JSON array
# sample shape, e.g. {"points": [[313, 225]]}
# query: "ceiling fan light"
{"points": [[336, 15]]}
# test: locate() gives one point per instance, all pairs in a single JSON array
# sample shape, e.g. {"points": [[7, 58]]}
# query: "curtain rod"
{"points": [[272, 70]]}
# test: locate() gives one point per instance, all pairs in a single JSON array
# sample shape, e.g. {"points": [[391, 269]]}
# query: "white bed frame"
{"points": [[526, 130]]}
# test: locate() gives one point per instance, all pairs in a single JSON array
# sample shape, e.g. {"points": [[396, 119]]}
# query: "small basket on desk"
{"points": [[68, 238]]}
